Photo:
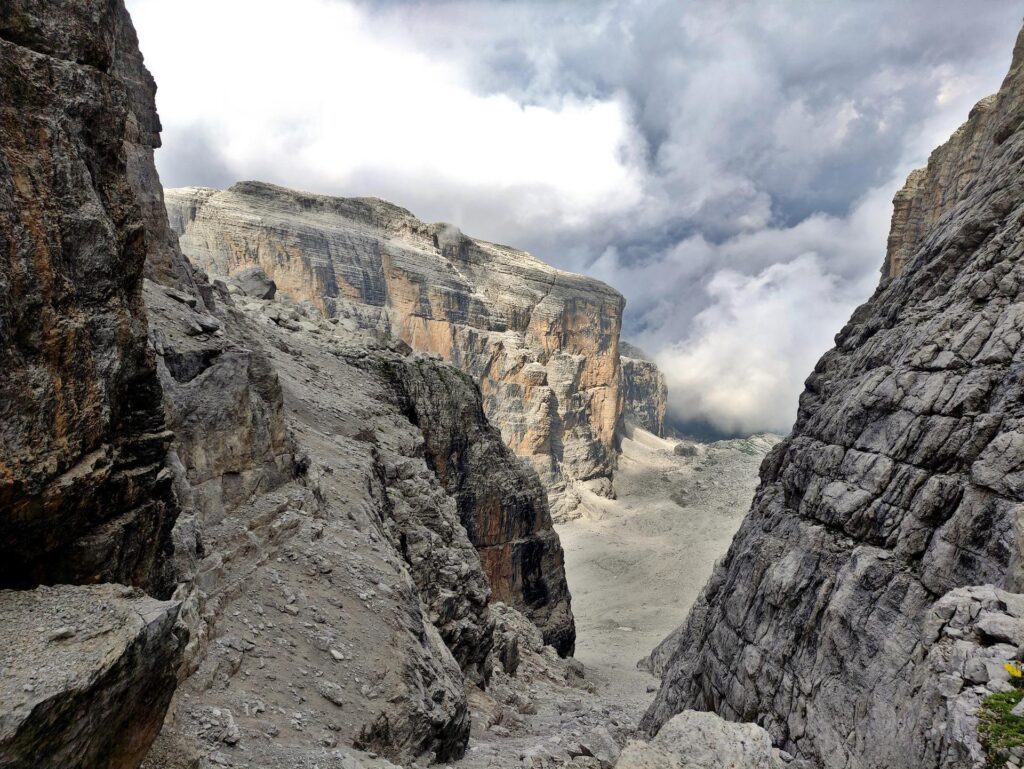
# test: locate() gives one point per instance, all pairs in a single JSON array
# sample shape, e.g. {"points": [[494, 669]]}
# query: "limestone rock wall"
{"points": [[83, 495], [899, 483], [85, 484], [500, 502], [542, 344]]}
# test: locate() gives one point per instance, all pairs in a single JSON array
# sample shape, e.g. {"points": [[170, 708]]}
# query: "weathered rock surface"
{"points": [[85, 491], [326, 480], [900, 482], [644, 393], [88, 672], [83, 495], [701, 740], [501, 503], [542, 344]]}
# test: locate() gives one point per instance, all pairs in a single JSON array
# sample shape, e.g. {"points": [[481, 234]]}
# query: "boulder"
{"points": [[88, 672], [700, 740]]}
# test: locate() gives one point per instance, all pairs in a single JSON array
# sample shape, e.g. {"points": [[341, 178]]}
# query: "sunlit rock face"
{"points": [[900, 483], [541, 344]]}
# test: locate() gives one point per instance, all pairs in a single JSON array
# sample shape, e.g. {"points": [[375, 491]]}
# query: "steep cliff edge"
{"points": [[85, 491], [541, 344], [83, 495], [829, 621]]}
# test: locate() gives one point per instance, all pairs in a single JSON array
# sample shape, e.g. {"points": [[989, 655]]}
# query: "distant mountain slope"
{"points": [[542, 344]]}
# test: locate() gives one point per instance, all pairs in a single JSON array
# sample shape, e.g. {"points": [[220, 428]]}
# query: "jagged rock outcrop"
{"points": [[88, 672], [542, 344], [500, 503], [83, 492], [347, 527], [644, 393], [900, 482]]}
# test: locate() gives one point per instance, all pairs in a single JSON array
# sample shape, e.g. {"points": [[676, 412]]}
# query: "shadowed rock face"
{"points": [[85, 496], [542, 344], [500, 502], [82, 442], [900, 482]]}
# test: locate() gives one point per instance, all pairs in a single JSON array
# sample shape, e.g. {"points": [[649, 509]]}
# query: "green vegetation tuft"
{"points": [[998, 729]]}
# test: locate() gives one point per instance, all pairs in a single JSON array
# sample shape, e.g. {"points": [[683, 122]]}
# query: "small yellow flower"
{"points": [[1013, 670]]}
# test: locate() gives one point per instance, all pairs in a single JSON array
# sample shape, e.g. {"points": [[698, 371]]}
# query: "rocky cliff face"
{"points": [[85, 491], [82, 440], [644, 393], [900, 482], [542, 344]]}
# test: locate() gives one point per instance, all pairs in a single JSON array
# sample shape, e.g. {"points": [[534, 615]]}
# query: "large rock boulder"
{"points": [[255, 283], [699, 740], [900, 482], [88, 673]]}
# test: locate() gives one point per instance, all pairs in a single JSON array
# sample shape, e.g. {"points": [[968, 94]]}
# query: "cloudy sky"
{"points": [[727, 166]]}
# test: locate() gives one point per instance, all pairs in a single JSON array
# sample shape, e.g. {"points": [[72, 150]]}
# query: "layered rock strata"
{"points": [[644, 392], [541, 344], [900, 483], [83, 492], [85, 488]]}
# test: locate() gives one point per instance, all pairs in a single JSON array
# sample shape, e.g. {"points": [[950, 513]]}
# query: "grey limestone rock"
{"points": [[900, 482], [254, 282], [83, 495], [700, 740], [644, 393], [88, 672]]}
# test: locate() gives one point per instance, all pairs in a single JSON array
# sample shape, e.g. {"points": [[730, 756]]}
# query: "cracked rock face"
{"points": [[501, 504], [542, 344], [900, 481], [83, 495], [88, 672]]}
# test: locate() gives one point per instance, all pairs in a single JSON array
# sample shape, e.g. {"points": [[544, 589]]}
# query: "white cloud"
{"points": [[729, 171], [308, 93]]}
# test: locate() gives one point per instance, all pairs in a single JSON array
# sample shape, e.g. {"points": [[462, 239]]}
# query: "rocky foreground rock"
{"points": [[88, 672], [541, 343], [899, 487]]}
